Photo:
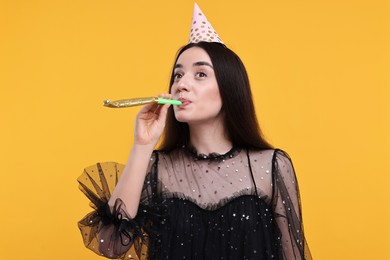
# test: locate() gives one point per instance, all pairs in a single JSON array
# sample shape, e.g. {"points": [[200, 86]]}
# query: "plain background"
{"points": [[320, 77]]}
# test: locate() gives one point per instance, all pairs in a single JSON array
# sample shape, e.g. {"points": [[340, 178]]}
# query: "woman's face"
{"points": [[196, 87]]}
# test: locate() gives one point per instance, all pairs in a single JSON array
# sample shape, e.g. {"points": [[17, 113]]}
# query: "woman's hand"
{"points": [[150, 123]]}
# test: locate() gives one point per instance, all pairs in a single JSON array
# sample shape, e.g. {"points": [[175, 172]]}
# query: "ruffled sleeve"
{"points": [[287, 208], [111, 232]]}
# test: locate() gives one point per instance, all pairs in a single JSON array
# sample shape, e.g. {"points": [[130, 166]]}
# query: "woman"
{"points": [[215, 189]]}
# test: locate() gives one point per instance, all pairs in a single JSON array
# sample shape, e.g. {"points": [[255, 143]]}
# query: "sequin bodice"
{"points": [[241, 205], [211, 201], [241, 229]]}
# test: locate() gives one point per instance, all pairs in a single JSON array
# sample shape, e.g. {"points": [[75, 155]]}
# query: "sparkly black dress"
{"points": [[239, 205]]}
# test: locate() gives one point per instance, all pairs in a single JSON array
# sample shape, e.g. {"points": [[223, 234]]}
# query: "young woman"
{"points": [[215, 189]]}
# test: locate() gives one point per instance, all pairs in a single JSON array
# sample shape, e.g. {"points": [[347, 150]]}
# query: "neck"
{"points": [[209, 138]]}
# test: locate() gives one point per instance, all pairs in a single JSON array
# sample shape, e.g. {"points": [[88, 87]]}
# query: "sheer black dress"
{"points": [[240, 205]]}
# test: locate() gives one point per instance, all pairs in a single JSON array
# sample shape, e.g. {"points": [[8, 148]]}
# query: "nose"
{"points": [[183, 84]]}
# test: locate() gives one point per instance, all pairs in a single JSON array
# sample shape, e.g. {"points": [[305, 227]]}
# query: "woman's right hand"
{"points": [[150, 123]]}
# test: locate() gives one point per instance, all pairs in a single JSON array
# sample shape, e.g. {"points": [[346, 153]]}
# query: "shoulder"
{"points": [[281, 158], [282, 167], [274, 157], [165, 153], [260, 161], [266, 154], [160, 156], [167, 157]]}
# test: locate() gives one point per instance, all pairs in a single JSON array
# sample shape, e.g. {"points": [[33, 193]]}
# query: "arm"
{"points": [[149, 125], [130, 184], [125, 199], [122, 225], [287, 208], [119, 219]]}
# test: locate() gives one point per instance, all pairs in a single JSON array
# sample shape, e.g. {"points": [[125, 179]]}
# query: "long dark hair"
{"points": [[237, 104]]}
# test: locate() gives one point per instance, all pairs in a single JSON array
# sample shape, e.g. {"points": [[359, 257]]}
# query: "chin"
{"points": [[180, 116], [182, 119]]}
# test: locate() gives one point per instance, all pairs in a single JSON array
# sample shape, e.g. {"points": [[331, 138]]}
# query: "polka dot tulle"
{"points": [[240, 205]]}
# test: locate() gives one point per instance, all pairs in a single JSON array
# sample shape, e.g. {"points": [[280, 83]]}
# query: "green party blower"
{"points": [[139, 101]]}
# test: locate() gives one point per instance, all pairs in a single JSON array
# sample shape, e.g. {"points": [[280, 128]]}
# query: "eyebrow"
{"points": [[198, 63]]}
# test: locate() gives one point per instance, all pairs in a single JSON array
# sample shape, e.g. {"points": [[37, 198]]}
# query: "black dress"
{"points": [[239, 205]]}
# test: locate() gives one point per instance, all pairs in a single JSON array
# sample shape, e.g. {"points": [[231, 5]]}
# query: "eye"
{"points": [[177, 76], [201, 75]]}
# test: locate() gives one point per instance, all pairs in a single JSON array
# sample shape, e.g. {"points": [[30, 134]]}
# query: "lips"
{"points": [[185, 102]]}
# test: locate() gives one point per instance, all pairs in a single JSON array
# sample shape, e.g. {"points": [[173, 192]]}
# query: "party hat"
{"points": [[201, 29]]}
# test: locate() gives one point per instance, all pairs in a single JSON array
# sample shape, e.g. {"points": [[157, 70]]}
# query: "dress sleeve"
{"points": [[112, 229], [287, 208]]}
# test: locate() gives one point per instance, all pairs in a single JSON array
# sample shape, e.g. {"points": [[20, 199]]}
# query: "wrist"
{"points": [[145, 142], [145, 149]]}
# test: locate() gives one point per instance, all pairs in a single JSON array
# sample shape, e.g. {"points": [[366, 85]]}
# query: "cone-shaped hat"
{"points": [[201, 29]]}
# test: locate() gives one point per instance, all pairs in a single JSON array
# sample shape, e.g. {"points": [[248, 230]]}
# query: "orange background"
{"points": [[320, 76]]}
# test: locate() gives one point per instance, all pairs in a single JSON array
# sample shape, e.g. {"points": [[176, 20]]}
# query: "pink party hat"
{"points": [[201, 29]]}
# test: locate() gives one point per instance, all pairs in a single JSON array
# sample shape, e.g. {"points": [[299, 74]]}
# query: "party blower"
{"points": [[139, 101]]}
